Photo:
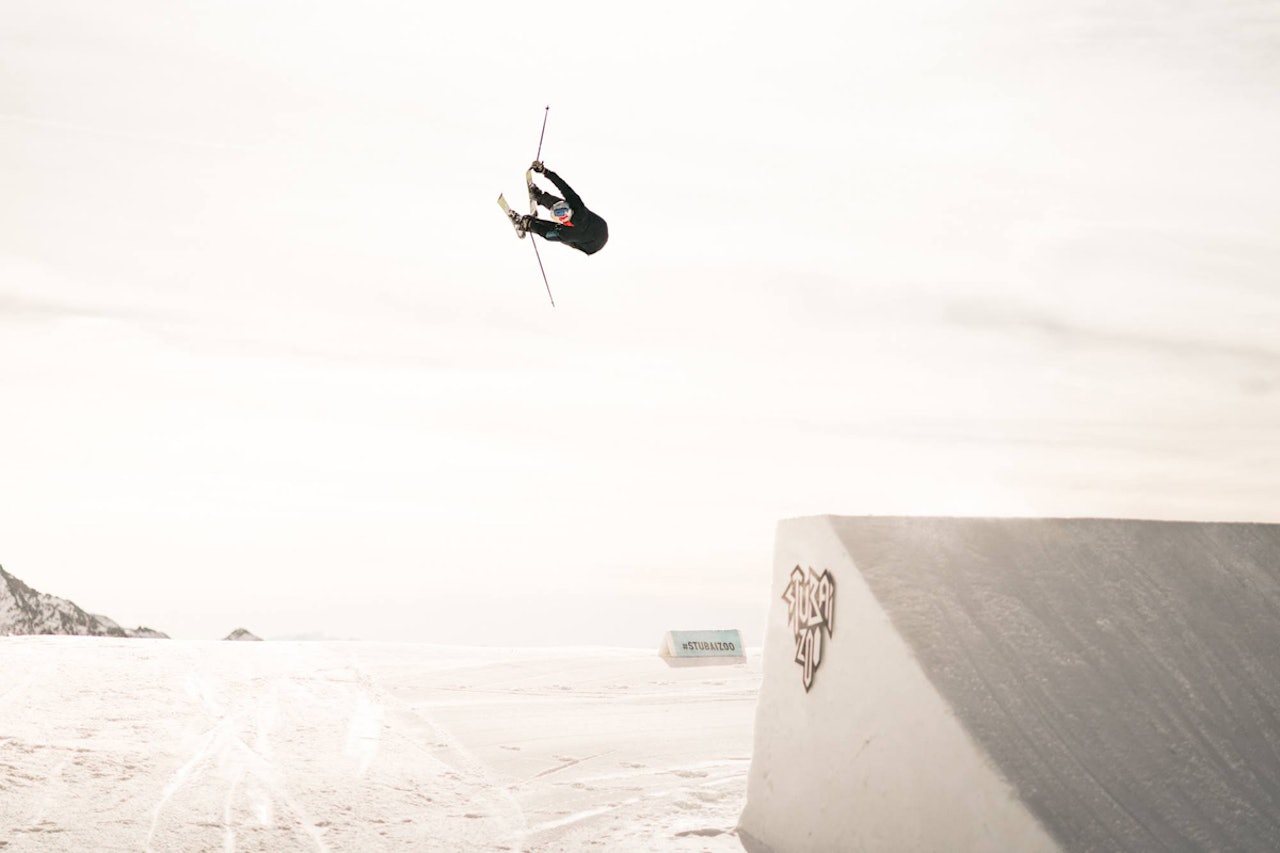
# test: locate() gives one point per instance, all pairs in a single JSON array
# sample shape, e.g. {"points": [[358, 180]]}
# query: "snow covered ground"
{"points": [[972, 684], [109, 744]]}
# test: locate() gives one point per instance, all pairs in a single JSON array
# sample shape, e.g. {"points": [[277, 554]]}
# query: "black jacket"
{"points": [[588, 231]]}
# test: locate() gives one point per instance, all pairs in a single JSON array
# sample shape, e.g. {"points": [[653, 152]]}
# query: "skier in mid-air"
{"points": [[574, 224]]}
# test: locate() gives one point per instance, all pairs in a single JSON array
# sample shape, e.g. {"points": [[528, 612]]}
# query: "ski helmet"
{"points": [[561, 211]]}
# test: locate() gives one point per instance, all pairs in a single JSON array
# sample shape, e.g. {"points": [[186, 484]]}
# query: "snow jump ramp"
{"points": [[951, 684]]}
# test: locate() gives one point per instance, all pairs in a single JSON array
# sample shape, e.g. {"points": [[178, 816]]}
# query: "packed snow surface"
{"points": [[129, 745]]}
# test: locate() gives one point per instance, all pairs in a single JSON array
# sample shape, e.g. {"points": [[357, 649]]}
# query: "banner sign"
{"points": [[703, 644]]}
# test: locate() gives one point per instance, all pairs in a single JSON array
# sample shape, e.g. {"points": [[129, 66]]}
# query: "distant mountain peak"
{"points": [[242, 634], [24, 610]]}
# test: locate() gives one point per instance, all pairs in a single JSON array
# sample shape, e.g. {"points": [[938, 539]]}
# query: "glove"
{"points": [[538, 167]]}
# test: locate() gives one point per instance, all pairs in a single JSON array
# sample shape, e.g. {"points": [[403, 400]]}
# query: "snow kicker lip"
{"points": [[1029, 684]]}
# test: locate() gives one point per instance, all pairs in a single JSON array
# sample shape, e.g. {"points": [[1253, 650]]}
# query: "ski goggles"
{"points": [[562, 212]]}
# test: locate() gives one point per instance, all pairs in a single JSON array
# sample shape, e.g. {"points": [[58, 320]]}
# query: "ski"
{"points": [[512, 216]]}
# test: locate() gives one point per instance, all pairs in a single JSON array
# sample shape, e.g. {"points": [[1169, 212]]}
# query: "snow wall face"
{"points": [[1019, 684], [868, 756]]}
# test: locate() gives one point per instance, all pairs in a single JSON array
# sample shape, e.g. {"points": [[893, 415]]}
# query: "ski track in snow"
{"points": [[224, 747], [111, 744], [657, 778]]}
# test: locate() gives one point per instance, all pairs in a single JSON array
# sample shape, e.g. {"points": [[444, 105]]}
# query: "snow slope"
{"points": [[110, 744]]}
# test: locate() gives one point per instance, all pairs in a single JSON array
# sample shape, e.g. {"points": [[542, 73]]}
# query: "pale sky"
{"points": [[269, 355]]}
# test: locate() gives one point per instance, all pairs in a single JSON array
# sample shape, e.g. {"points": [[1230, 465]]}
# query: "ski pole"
{"points": [[538, 255], [544, 131], [532, 242]]}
